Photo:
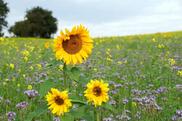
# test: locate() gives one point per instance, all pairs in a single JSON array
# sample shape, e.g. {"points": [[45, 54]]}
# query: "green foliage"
{"points": [[3, 14], [45, 87]]}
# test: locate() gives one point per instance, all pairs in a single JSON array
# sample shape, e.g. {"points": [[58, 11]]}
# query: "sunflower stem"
{"points": [[98, 118], [64, 76]]}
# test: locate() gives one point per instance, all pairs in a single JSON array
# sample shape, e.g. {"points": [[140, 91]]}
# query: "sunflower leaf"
{"points": [[36, 113], [45, 87], [67, 117], [74, 73]]}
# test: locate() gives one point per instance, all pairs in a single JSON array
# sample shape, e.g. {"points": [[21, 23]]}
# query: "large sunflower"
{"points": [[58, 102], [97, 92], [73, 46]]}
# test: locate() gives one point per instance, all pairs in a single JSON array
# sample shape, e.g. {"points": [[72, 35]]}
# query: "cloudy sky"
{"points": [[107, 17]]}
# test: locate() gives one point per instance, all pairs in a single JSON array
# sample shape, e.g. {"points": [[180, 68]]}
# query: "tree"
{"points": [[3, 14], [38, 22], [21, 29]]}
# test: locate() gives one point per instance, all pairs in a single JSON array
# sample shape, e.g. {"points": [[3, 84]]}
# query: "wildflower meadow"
{"points": [[75, 77]]}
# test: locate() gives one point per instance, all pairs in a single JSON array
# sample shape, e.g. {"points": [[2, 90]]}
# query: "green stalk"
{"points": [[64, 76], [97, 111], [98, 116]]}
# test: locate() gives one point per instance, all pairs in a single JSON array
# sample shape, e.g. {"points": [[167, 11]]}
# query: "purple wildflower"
{"points": [[11, 116], [22, 105], [31, 93]]}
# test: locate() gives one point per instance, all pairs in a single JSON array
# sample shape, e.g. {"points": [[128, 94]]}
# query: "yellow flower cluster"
{"points": [[11, 65], [179, 73], [25, 55], [171, 61], [161, 46]]}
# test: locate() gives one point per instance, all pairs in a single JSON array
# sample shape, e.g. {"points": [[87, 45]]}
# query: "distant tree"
{"points": [[3, 14], [38, 22], [21, 29]]}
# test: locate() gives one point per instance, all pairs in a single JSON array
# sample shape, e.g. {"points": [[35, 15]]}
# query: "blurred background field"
{"points": [[144, 73]]}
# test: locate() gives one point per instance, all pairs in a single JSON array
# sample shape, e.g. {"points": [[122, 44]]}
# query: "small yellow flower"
{"points": [[153, 40], [29, 87], [179, 73], [109, 59], [60, 67], [95, 69], [1, 39], [58, 102], [31, 67], [160, 46], [120, 62], [25, 53], [18, 85], [97, 92], [24, 75], [39, 66], [12, 66], [25, 58], [171, 61], [46, 45]]}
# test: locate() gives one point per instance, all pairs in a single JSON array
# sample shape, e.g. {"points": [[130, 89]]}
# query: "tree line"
{"points": [[38, 22]]}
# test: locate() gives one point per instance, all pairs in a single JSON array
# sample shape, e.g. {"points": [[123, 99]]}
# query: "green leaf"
{"points": [[45, 87], [67, 117], [78, 102], [74, 73], [36, 113], [108, 107], [82, 112]]}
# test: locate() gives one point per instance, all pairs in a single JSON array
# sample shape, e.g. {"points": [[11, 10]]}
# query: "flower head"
{"points": [[73, 46], [31, 93], [171, 61], [161, 46], [97, 92], [11, 65], [22, 105], [179, 73], [58, 102], [29, 87], [25, 53], [11, 116]]}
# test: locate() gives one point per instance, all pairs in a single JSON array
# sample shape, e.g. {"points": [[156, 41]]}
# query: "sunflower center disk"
{"points": [[73, 45], [59, 100], [97, 91]]}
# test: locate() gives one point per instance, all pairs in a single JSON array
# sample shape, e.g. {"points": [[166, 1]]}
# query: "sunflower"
{"points": [[97, 92], [58, 102], [73, 47]]}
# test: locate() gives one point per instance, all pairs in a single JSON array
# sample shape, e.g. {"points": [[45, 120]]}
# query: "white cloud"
{"points": [[106, 17]]}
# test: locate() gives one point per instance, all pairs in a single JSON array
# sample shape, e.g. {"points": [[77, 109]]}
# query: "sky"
{"points": [[107, 17]]}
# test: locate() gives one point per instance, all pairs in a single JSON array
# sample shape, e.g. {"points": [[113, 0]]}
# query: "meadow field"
{"points": [[144, 73]]}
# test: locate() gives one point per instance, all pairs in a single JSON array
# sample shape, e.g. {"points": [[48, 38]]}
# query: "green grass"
{"points": [[135, 62]]}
